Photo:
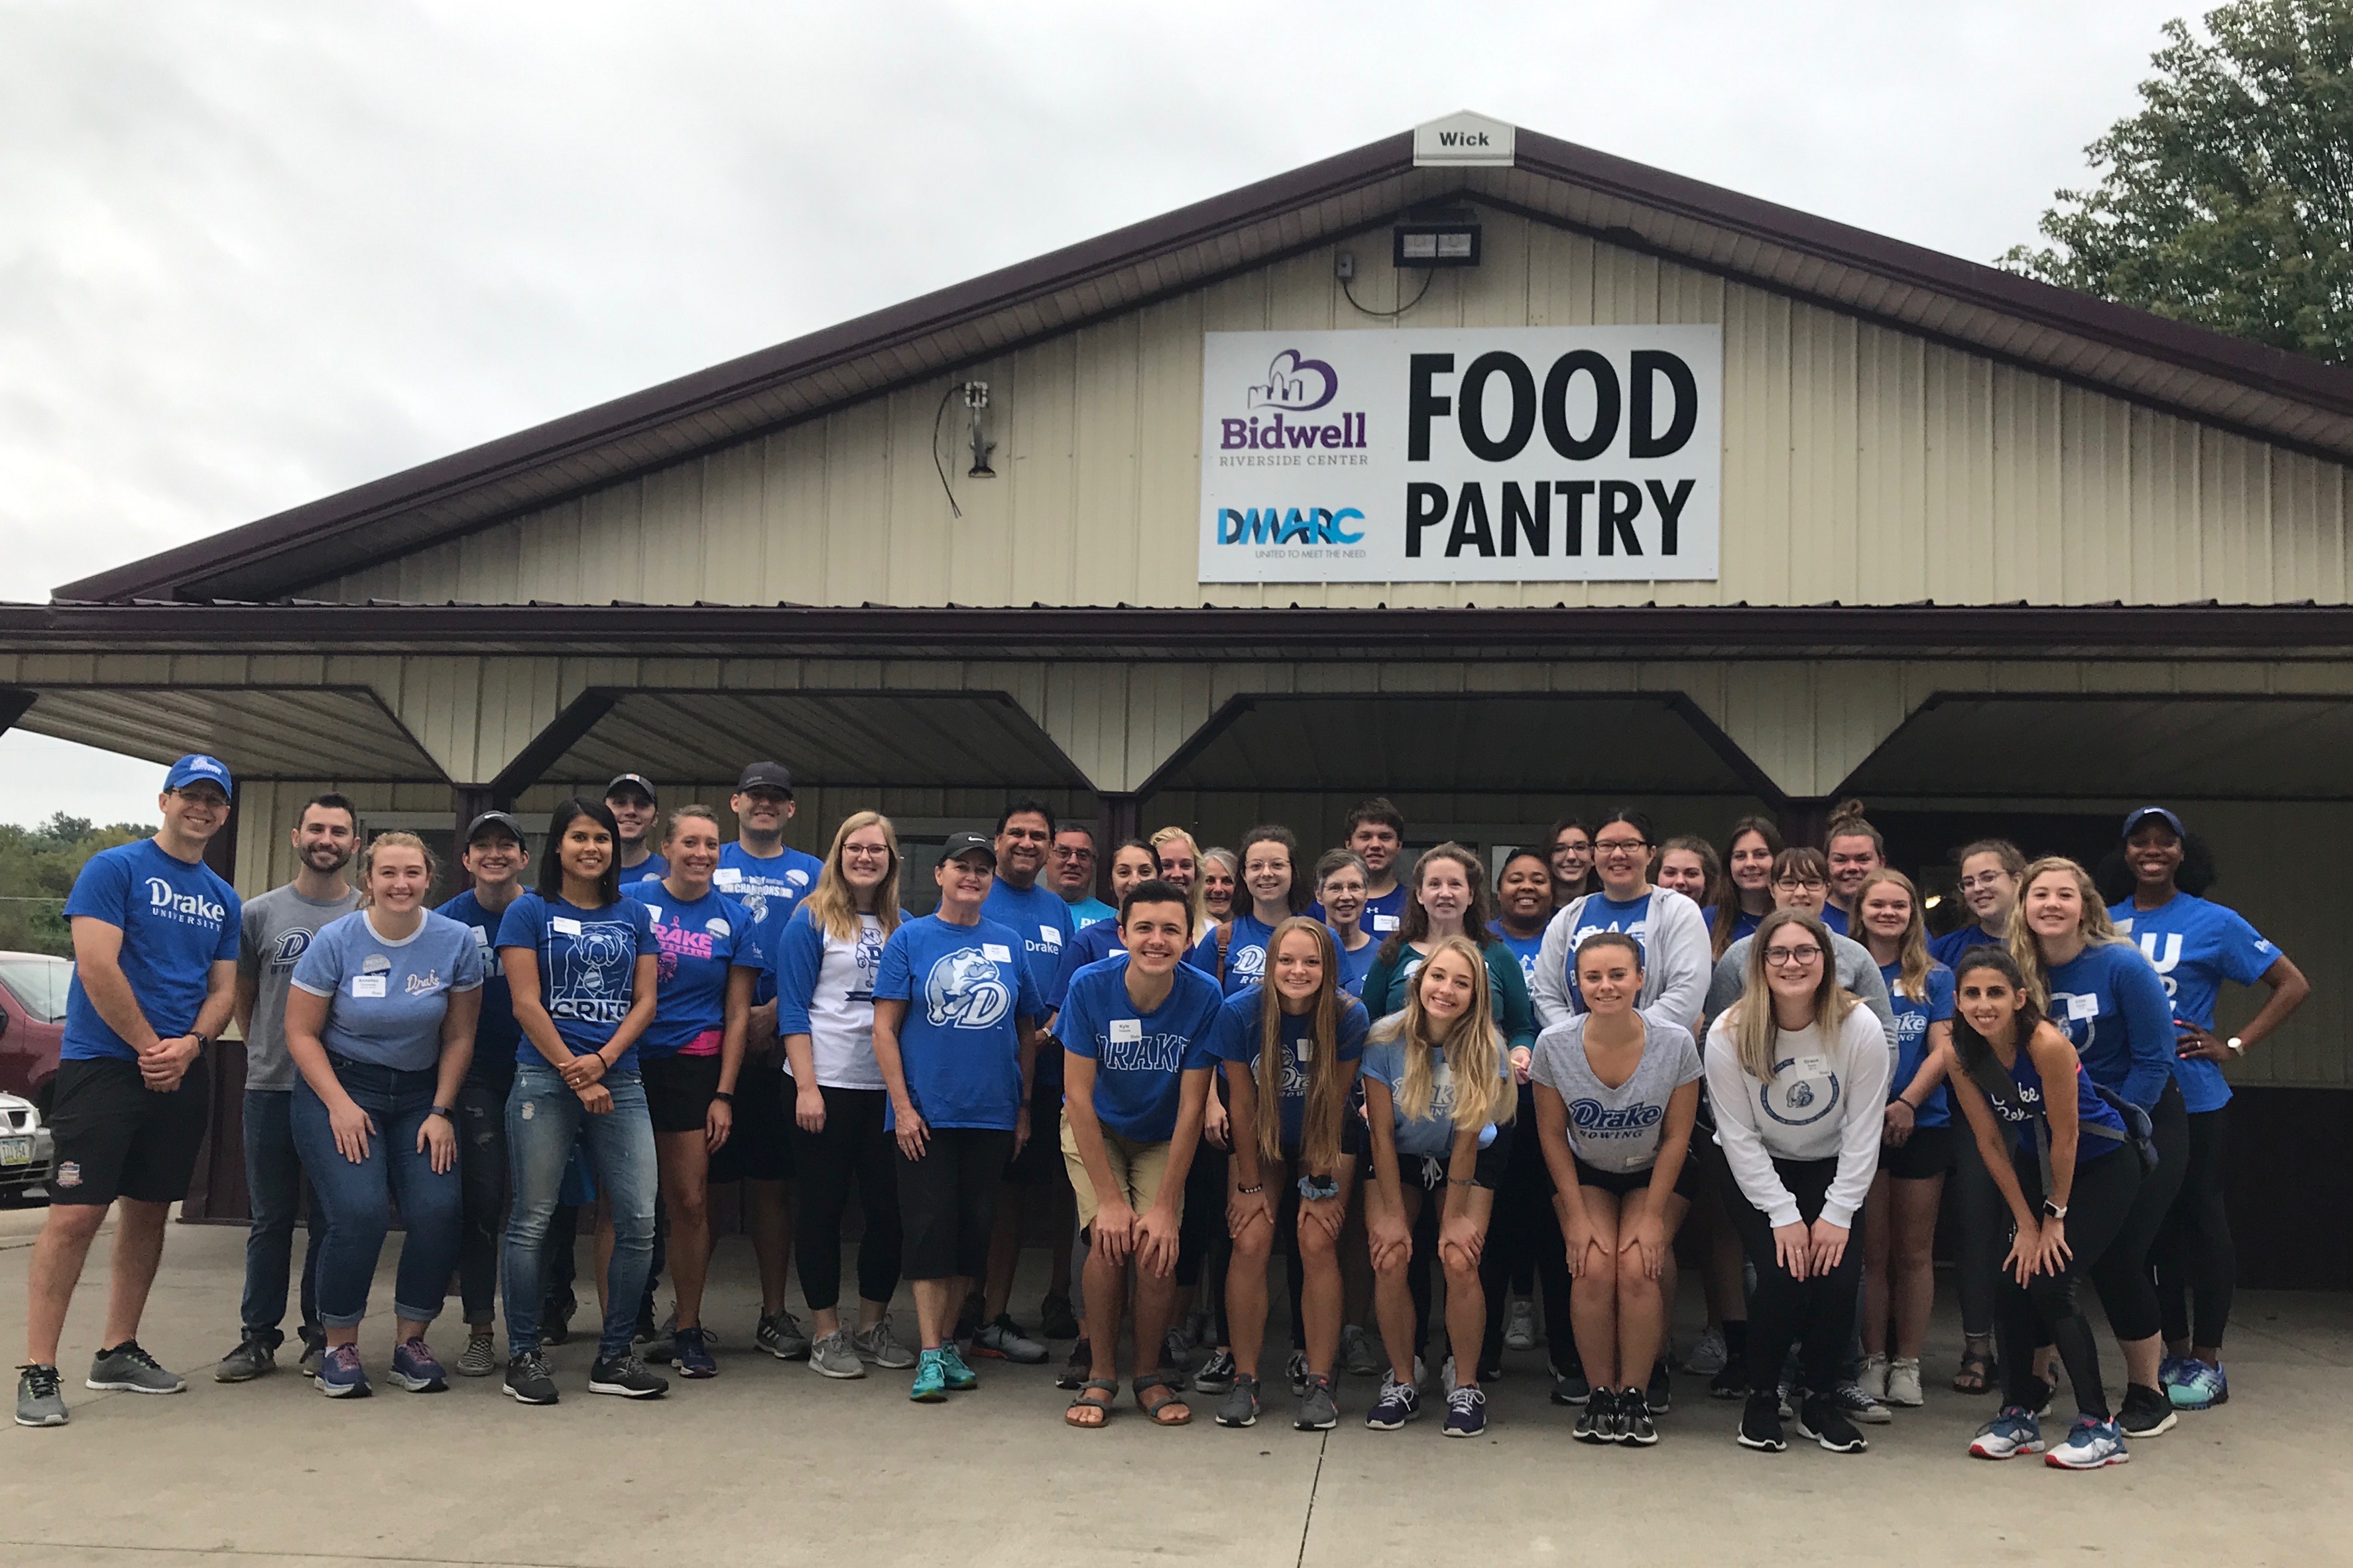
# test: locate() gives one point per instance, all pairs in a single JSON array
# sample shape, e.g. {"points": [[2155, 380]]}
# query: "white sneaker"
{"points": [[1903, 1383], [1520, 1325], [1873, 1376], [1445, 1375]]}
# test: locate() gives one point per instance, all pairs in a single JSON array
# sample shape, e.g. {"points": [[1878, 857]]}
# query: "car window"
{"points": [[38, 984]]}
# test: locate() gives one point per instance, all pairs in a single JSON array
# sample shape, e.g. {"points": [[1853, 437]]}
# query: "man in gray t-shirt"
{"points": [[276, 928]]}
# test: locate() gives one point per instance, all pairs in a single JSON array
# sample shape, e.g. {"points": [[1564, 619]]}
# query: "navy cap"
{"points": [[961, 844], [499, 820], [633, 781], [766, 775], [196, 767], [2139, 814]]}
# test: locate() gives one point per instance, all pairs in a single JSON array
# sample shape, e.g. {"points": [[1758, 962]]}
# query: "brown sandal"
{"points": [[1109, 1388], [1976, 1375], [1170, 1410]]}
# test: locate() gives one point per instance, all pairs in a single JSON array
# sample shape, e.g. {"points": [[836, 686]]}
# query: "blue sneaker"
{"points": [[2202, 1386], [1466, 1411], [2013, 1431], [416, 1368], [961, 1378], [341, 1376], [690, 1353], [930, 1379], [1398, 1403], [2090, 1445], [2172, 1370]]}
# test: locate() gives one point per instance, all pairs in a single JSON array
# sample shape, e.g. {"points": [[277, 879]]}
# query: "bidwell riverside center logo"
{"points": [[1273, 432]]}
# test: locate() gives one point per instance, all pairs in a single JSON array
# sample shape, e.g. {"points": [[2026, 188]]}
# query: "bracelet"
{"points": [[1315, 1188], [724, 1096], [1252, 1191], [444, 1112], [1453, 1182]]}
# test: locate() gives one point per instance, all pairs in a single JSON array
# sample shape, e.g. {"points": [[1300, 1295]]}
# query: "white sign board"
{"points": [[1501, 455], [1465, 139]]}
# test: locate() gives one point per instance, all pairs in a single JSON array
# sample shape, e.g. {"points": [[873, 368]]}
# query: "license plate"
{"points": [[15, 1150]]}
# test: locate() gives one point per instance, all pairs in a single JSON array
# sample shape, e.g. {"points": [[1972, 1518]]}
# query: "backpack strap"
{"points": [[1995, 1082], [1225, 946]]}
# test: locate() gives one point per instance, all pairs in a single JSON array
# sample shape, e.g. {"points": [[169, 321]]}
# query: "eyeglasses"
{"points": [[1792, 957], [1803, 884], [1622, 846], [1065, 852], [1986, 879]]}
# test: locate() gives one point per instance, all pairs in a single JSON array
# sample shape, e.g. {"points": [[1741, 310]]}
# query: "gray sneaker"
{"points": [[835, 1356], [781, 1335], [479, 1358], [1318, 1410], [882, 1347], [38, 1401], [255, 1354], [1358, 1353], [131, 1370], [1240, 1407]]}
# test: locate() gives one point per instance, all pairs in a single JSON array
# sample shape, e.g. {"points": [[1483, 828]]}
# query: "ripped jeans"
{"points": [[483, 1172]]}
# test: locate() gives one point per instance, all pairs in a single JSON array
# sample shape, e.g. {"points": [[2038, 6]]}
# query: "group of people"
{"points": [[1390, 1076]]}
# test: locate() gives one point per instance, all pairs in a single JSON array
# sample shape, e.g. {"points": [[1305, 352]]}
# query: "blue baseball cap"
{"points": [[2139, 814], [198, 768]]}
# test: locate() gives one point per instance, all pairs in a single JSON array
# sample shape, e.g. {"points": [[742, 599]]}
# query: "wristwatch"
{"points": [[2053, 1211], [444, 1112], [724, 1096], [2237, 1046]]}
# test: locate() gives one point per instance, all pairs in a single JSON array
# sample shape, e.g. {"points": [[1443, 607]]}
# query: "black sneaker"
{"points": [[1295, 1371], [527, 1380], [1661, 1396], [2146, 1412], [1732, 1383], [1078, 1369], [1056, 1320], [1635, 1423], [1597, 1422], [1217, 1373], [555, 1319], [627, 1377], [1569, 1387], [1760, 1425], [1820, 1417]]}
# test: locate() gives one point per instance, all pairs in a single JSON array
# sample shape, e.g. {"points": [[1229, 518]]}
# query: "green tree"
{"points": [[2228, 199], [37, 867]]}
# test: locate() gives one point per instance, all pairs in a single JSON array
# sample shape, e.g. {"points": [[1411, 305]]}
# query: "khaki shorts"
{"points": [[1136, 1167]]}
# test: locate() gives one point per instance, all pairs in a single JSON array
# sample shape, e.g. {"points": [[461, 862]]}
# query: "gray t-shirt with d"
{"points": [[1616, 1130], [277, 928]]}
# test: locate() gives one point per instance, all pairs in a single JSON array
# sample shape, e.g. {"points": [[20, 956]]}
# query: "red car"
{"points": [[32, 1022]]}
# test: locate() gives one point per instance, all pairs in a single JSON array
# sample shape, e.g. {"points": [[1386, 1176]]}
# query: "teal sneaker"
{"points": [[2201, 1386], [930, 1379], [961, 1378]]}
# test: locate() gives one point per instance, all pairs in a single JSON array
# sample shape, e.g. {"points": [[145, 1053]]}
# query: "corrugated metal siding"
{"points": [[1862, 464]]}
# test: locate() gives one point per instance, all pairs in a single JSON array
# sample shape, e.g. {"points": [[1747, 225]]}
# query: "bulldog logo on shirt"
{"points": [[1798, 1099], [965, 990]]}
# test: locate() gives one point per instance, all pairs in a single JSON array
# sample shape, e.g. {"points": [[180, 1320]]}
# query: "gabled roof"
{"points": [[2265, 393]]}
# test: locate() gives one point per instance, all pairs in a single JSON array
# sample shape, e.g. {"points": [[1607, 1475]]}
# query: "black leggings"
{"points": [[1816, 1313], [2122, 1276], [854, 1148], [1523, 1213], [2045, 1309], [1203, 1246], [1983, 1220], [2194, 1259], [482, 1194]]}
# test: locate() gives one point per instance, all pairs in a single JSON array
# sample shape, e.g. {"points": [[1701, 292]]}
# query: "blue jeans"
{"points": [[358, 1198], [544, 1120], [275, 1187]]}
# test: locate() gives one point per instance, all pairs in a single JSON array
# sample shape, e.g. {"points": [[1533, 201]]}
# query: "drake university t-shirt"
{"points": [[966, 992], [1140, 1057], [177, 921], [588, 968]]}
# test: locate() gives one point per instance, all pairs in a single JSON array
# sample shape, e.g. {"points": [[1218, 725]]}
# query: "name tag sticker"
{"points": [[727, 876], [1385, 922], [1127, 1031], [1050, 935], [2083, 1007], [997, 952], [1303, 1048], [1814, 1067], [364, 985], [564, 925]]}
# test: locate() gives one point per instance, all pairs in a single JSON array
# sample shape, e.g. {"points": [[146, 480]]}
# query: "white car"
{"points": [[26, 1150]]}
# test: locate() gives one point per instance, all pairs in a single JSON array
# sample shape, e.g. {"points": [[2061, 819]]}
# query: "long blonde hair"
{"points": [[1196, 907], [1471, 1048], [1328, 1081], [833, 905], [2096, 928], [1912, 947], [1755, 1029], [396, 840]]}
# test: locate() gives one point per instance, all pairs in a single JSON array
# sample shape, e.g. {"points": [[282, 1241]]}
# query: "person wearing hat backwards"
{"points": [[769, 879], [154, 981], [630, 799], [955, 1034]]}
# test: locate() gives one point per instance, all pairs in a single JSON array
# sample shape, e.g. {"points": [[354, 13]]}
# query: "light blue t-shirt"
{"points": [[1245, 953], [177, 921], [1140, 1057], [2195, 946], [770, 888], [1433, 1134], [1602, 912], [1084, 912], [1912, 1022], [1236, 1039], [967, 991], [588, 968], [699, 943], [386, 1000]]}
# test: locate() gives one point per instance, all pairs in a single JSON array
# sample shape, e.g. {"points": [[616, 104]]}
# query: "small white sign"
{"points": [[367, 985], [1385, 922], [1465, 139], [997, 952], [564, 925], [1126, 1031], [1050, 935]]}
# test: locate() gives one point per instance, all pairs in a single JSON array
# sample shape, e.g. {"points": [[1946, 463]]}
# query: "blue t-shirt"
{"points": [[1042, 921], [2113, 1008], [1834, 919], [177, 921], [2091, 1110], [1140, 1057], [1086, 911], [1381, 916], [1091, 944], [497, 1034], [656, 865], [1356, 966], [1245, 953], [2196, 945], [1431, 1135], [1602, 912], [697, 943], [1948, 949], [588, 968], [960, 1045], [1745, 925], [1912, 1022], [1524, 948], [769, 887], [386, 1000], [1235, 1040]]}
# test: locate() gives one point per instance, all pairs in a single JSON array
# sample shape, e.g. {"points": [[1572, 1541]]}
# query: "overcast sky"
{"points": [[253, 254]]}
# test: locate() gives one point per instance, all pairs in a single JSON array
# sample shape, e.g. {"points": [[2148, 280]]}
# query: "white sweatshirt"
{"points": [[1674, 958], [1826, 1097]]}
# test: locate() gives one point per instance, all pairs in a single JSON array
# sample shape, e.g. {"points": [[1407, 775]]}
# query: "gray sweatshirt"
{"points": [[1825, 1101], [1674, 957], [1857, 970]]}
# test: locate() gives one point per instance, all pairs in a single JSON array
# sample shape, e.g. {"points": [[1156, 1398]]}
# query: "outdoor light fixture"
{"points": [[1442, 240], [975, 397]]}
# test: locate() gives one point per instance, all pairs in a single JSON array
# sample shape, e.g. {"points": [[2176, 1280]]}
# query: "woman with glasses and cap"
{"points": [[2196, 945]]}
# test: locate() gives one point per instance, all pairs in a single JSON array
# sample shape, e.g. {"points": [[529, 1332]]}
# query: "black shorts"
{"points": [[679, 1090], [1429, 1174], [116, 1138], [948, 1201], [1927, 1152], [1620, 1183], [761, 1147], [1039, 1163]]}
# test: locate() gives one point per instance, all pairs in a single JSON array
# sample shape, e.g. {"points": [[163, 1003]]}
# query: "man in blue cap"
{"points": [[155, 943]]}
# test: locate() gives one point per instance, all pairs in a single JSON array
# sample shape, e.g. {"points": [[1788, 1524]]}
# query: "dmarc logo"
{"points": [[1293, 525]]}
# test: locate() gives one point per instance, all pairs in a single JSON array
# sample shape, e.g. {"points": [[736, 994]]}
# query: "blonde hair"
{"points": [[832, 905], [1755, 1028], [1471, 1048], [1328, 1081], [1912, 947], [1196, 897], [395, 840], [2095, 927]]}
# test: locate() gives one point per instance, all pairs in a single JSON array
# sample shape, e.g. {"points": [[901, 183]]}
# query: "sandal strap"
{"points": [[1149, 1380], [1110, 1384]]}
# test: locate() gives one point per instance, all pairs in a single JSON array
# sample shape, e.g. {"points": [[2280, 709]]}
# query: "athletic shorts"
{"points": [[1621, 1183], [116, 1138], [761, 1147], [1039, 1163], [947, 1201], [1430, 1173], [1927, 1152], [1137, 1170], [679, 1090]]}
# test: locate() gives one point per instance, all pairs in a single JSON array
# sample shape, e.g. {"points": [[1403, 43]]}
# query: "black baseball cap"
{"points": [[766, 775], [638, 781], [498, 820], [961, 844], [2134, 817]]}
